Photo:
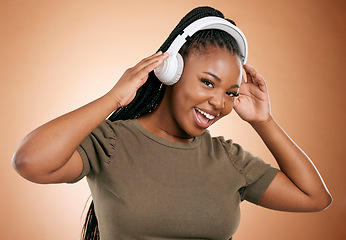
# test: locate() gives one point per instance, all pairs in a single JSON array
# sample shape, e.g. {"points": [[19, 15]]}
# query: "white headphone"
{"points": [[170, 71]]}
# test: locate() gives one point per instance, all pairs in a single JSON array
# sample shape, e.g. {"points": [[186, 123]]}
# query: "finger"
{"points": [[256, 78], [236, 103], [153, 63], [248, 75], [250, 71], [153, 55], [146, 61], [242, 77], [150, 66], [259, 81]]}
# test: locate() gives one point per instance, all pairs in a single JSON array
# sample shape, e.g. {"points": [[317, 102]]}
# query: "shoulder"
{"points": [[219, 146], [105, 136], [130, 123], [219, 143], [118, 127], [252, 167], [234, 150]]}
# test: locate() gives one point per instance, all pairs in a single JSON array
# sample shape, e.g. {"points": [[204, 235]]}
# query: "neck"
{"points": [[161, 123]]}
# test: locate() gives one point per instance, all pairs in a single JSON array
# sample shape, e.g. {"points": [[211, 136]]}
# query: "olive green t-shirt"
{"points": [[147, 187]]}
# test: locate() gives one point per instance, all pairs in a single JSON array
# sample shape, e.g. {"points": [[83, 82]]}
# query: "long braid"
{"points": [[150, 94]]}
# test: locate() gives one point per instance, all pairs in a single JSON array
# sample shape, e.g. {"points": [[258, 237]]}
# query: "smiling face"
{"points": [[204, 94]]}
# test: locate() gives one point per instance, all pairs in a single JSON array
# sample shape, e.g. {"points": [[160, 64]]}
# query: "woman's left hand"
{"points": [[252, 105], [298, 186]]}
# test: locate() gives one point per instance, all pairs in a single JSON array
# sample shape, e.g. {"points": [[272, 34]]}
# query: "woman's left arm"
{"points": [[298, 185]]}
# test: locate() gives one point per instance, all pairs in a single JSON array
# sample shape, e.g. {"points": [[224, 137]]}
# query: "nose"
{"points": [[217, 100]]}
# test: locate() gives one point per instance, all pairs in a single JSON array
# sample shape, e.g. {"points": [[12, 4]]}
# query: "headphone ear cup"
{"points": [[179, 70], [169, 72]]}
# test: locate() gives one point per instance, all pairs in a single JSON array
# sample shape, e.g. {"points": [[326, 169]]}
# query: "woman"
{"points": [[153, 169]]}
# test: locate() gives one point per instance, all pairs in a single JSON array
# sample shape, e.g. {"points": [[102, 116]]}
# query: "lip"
{"points": [[211, 112], [200, 123]]}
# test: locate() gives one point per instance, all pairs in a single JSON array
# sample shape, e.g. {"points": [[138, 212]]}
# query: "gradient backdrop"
{"points": [[58, 55]]}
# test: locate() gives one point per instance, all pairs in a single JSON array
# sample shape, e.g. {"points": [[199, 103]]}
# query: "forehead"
{"points": [[207, 50], [216, 60]]}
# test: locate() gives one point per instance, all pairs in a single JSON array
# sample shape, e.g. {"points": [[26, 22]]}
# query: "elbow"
{"points": [[19, 162], [24, 165], [322, 202], [328, 199]]}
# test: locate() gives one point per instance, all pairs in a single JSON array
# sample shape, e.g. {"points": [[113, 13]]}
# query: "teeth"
{"points": [[211, 117]]}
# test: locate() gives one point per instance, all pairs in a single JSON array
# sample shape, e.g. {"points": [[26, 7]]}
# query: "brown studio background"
{"points": [[59, 55]]}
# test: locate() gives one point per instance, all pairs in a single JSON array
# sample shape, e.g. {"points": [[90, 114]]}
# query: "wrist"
{"points": [[111, 101], [259, 125]]}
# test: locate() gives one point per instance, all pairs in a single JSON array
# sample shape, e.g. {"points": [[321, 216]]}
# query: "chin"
{"points": [[195, 131]]}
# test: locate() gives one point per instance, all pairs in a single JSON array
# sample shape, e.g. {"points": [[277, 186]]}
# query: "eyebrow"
{"points": [[219, 80]]}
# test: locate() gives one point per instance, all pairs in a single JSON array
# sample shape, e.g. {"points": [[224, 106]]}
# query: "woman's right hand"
{"points": [[125, 89]]}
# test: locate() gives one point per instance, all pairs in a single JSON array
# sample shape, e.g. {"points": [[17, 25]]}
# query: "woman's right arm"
{"points": [[49, 155]]}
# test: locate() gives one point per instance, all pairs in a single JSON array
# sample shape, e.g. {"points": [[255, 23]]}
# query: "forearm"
{"points": [[50, 146], [293, 162]]}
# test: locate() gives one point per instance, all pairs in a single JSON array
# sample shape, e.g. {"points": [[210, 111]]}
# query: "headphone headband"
{"points": [[211, 23], [170, 71]]}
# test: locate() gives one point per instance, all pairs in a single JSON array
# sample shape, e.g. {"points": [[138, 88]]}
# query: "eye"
{"points": [[207, 82], [232, 94]]}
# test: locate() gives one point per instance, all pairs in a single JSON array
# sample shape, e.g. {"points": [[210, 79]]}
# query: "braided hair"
{"points": [[149, 95]]}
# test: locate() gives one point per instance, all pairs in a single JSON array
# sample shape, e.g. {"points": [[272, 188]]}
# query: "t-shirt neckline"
{"points": [[163, 141]]}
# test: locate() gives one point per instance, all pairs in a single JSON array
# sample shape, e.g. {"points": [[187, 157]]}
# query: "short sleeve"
{"points": [[257, 173], [96, 149]]}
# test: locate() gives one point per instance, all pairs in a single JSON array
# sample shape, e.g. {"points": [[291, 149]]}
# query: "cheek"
{"points": [[181, 101], [191, 94]]}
